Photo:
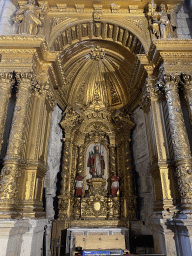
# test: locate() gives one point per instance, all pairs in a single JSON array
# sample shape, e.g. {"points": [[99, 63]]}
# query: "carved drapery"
{"points": [[160, 170], [5, 90], [180, 140]]}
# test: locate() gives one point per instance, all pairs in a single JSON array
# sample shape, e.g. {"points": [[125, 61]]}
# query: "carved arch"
{"points": [[125, 33]]}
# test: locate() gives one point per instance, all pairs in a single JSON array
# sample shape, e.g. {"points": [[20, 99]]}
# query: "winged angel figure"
{"points": [[28, 18]]}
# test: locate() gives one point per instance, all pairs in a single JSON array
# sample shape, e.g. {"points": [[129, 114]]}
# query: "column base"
{"points": [[163, 236], [21, 237], [12, 209], [186, 205], [163, 205], [183, 226]]}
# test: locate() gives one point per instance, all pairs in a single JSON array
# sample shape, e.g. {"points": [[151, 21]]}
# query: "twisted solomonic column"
{"points": [[181, 147], [112, 154], [188, 95], [5, 91], [65, 180], [10, 171], [20, 116]]}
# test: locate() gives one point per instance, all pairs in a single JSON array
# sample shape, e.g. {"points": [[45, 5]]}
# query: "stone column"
{"points": [[188, 95], [160, 170], [181, 147], [5, 91], [10, 171]]}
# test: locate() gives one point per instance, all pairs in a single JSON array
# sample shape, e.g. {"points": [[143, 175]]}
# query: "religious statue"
{"points": [[96, 163], [164, 22], [165, 26], [28, 18], [78, 185], [114, 185]]}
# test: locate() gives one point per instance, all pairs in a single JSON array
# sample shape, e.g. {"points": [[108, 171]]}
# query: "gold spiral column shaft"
{"points": [[181, 147], [188, 95], [11, 170], [5, 91]]}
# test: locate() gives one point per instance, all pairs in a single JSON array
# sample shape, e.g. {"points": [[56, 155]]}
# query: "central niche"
{"points": [[97, 174], [97, 178], [96, 162]]}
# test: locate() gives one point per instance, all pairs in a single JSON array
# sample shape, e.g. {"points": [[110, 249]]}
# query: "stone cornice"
{"points": [[173, 44], [105, 4]]}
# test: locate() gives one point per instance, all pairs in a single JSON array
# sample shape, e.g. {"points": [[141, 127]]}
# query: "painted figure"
{"points": [[114, 185], [78, 185], [96, 163]]}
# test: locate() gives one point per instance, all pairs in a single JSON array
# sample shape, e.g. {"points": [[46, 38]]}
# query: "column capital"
{"points": [[6, 79], [171, 82], [187, 81], [150, 92], [25, 80]]}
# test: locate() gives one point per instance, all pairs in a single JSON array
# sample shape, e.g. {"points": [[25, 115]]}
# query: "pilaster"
{"points": [[160, 170]]}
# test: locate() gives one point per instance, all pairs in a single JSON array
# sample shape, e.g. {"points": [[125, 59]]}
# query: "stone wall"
{"points": [[184, 21], [7, 9], [143, 176], [53, 163]]}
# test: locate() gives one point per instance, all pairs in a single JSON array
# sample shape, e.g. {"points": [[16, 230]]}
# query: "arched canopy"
{"points": [[98, 66], [126, 33]]}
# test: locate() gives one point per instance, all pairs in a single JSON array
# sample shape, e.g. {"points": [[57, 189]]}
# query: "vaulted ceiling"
{"points": [[99, 67]]}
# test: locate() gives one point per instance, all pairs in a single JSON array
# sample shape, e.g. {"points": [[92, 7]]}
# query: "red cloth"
{"points": [[114, 191], [78, 192], [79, 177]]}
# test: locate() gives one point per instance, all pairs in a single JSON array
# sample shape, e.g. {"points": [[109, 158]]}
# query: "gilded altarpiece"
{"points": [[97, 174]]}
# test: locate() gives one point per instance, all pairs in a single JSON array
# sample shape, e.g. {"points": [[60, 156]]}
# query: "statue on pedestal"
{"points": [[114, 185], [165, 25], [78, 185], [96, 163], [28, 18]]}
